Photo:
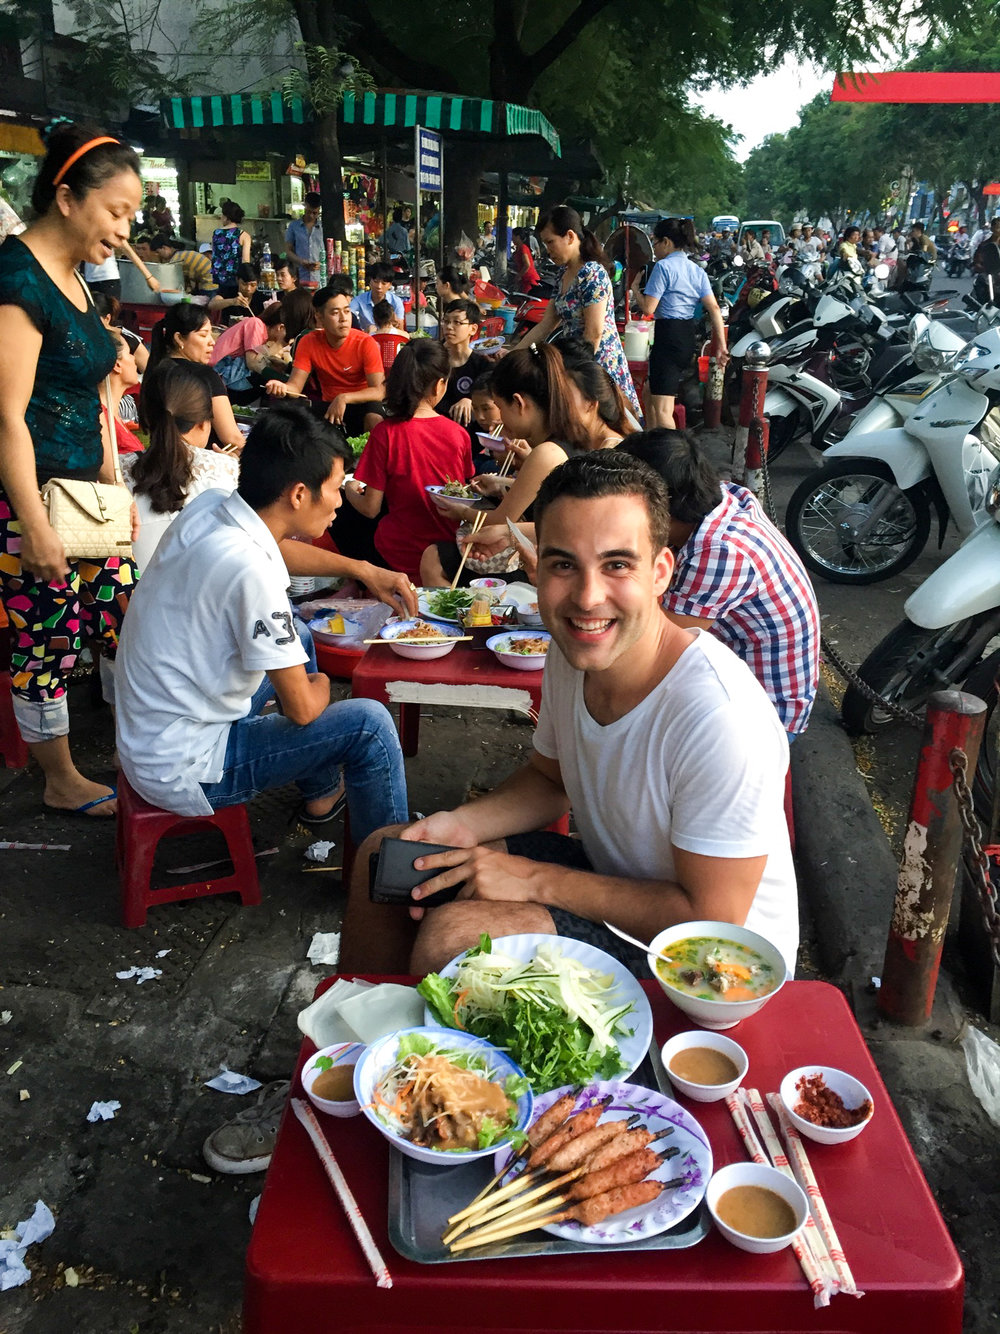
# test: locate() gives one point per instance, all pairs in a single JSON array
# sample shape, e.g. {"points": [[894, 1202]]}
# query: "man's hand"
{"points": [[462, 411], [153, 283], [484, 873], [392, 588], [276, 387], [335, 412]]}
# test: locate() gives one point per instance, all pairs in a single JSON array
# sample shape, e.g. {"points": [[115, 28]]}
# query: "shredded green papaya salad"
{"points": [[556, 1017]]}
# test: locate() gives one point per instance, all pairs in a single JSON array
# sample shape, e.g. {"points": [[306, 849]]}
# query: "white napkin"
{"points": [[360, 1012]]}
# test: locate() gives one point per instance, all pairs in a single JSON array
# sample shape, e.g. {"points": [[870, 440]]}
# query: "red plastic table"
{"points": [[468, 677], [305, 1270]]}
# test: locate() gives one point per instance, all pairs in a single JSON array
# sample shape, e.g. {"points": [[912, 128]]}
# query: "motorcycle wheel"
{"points": [[839, 493], [907, 667], [984, 681]]}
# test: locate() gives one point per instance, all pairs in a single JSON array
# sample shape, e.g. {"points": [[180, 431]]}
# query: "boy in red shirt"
{"points": [[347, 363]]}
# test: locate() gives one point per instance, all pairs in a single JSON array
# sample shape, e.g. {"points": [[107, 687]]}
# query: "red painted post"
{"points": [[751, 433], [931, 852]]}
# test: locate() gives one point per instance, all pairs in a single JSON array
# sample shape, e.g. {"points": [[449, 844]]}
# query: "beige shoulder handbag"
{"points": [[92, 518]]}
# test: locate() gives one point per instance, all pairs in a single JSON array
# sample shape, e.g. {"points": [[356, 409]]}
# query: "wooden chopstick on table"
{"points": [[448, 639], [332, 1168]]}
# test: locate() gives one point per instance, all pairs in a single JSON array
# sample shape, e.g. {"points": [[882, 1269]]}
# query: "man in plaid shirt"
{"points": [[737, 576]]}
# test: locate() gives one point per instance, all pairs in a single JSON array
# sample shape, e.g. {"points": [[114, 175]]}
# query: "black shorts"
{"points": [[545, 846], [355, 414], [670, 356]]}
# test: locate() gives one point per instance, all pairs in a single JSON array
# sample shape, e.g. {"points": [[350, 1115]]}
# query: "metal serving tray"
{"points": [[423, 1196]]}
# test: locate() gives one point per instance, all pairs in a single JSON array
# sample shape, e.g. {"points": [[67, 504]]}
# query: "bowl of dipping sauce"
{"points": [[490, 588], [756, 1207], [704, 1066], [328, 1079], [825, 1104]]}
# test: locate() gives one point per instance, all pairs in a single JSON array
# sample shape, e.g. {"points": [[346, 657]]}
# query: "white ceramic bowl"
{"points": [[851, 1091], [756, 1174], [392, 629], [341, 1053], [531, 618], [491, 588], [716, 1014], [437, 493], [699, 1038], [172, 298], [495, 444], [381, 1055], [522, 662]]}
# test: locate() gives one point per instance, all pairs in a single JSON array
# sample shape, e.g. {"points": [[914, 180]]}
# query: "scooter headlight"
{"points": [[929, 358]]}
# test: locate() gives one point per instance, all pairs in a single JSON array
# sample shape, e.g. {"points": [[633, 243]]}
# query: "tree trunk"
{"points": [[331, 174], [464, 162]]}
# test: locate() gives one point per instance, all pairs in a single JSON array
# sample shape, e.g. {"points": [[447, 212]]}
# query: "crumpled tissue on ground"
{"points": [[319, 851], [140, 974], [103, 1111], [228, 1081], [13, 1270], [324, 947]]}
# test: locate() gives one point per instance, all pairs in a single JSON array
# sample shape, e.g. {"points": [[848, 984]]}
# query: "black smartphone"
{"points": [[392, 875]]}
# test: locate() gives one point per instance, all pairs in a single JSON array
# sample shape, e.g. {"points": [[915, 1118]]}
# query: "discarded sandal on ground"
{"points": [[319, 822], [82, 810]]}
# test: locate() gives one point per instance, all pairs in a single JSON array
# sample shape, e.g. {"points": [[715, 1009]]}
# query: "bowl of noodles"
{"points": [[420, 639], [441, 1096], [523, 650]]}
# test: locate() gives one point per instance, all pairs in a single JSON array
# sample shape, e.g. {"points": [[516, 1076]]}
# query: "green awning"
{"points": [[399, 110]]}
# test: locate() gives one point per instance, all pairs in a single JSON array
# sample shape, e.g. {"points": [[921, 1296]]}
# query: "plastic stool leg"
{"points": [[240, 845]]}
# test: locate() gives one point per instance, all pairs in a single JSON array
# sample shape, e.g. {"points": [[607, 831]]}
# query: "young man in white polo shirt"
{"points": [[666, 747], [213, 619]]}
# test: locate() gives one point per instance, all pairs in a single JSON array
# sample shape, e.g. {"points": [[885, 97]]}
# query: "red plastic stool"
{"points": [[139, 828], [13, 750]]}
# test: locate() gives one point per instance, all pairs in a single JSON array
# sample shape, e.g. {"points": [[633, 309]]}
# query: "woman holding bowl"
{"points": [[56, 353], [672, 293], [584, 305]]}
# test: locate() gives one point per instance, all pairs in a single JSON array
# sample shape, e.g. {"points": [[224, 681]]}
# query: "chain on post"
{"points": [[977, 863]]}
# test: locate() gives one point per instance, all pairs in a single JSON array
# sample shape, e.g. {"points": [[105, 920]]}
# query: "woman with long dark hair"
{"points": [[414, 448], [230, 249], [185, 334], [546, 421], [176, 466], [672, 293], [56, 352], [584, 305]]}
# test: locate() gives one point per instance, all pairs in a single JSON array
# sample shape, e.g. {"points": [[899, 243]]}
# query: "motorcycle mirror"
{"points": [[737, 261], [881, 271]]}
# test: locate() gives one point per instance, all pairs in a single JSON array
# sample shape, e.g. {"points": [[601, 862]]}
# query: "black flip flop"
{"points": [[319, 823]]}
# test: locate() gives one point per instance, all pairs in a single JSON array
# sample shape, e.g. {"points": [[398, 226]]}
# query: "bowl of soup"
{"points": [[705, 1067], [715, 972], [328, 1079], [825, 1104], [756, 1207]]}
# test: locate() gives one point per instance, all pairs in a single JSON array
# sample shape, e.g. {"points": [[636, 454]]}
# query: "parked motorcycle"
{"points": [[865, 514], [949, 638]]}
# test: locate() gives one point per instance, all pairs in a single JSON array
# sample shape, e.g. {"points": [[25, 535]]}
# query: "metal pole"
{"points": [[751, 433], [385, 197], [416, 231], [441, 219], [930, 859], [502, 250]]}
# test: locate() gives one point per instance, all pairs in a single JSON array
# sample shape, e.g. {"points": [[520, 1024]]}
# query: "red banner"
{"points": [[916, 86]]}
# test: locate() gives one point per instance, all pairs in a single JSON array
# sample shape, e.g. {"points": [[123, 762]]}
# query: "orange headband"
{"points": [[84, 148]]}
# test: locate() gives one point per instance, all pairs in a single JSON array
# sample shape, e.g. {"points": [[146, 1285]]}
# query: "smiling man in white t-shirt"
{"points": [[661, 740]]}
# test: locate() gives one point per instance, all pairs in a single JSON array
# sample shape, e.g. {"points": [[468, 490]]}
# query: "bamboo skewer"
{"points": [[493, 1211]]}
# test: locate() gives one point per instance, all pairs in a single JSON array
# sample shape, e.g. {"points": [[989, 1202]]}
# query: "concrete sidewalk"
{"points": [[155, 1239]]}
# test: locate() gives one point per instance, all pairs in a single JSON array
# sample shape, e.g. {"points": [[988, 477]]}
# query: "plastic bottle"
{"points": [[268, 281]]}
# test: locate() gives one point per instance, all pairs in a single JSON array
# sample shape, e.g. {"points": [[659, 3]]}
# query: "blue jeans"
{"points": [[356, 735]]}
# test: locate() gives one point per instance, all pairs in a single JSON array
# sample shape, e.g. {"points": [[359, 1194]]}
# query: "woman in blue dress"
{"points": [[584, 305]]}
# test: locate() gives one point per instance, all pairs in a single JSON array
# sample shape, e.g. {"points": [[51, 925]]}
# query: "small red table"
{"points": [[306, 1271], [468, 677]]}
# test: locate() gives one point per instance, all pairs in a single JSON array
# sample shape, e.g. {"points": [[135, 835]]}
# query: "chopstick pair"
{"points": [[479, 520], [451, 639], [817, 1246]]}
